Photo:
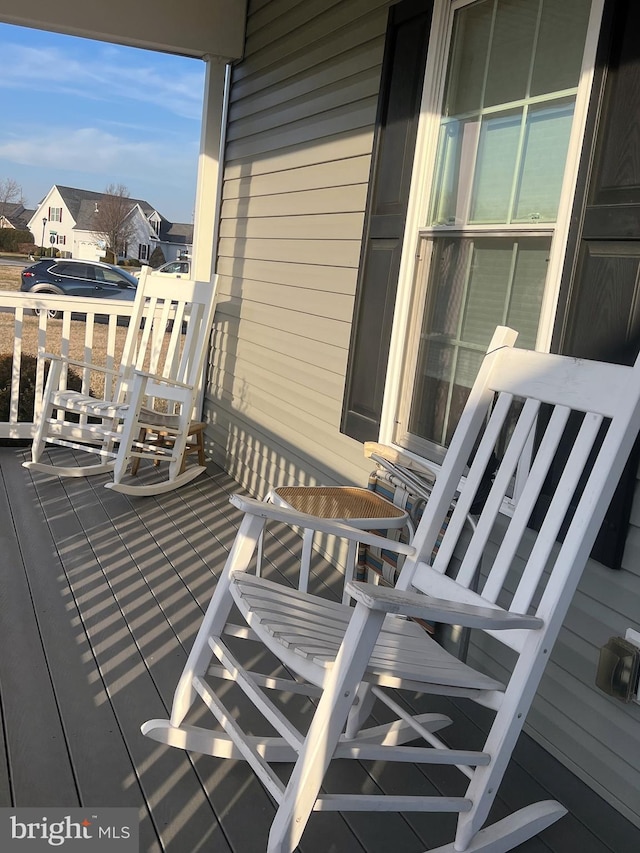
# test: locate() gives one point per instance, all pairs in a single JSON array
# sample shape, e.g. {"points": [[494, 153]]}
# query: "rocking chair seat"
{"points": [[313, 628], [159, 420], [74, 401]]}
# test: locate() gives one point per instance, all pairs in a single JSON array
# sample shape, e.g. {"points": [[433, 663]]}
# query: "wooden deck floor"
{"points": [[100, 598]]}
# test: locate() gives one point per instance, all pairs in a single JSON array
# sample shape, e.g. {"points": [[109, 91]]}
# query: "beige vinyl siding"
{"points": [[595, 736], [299, 139]]}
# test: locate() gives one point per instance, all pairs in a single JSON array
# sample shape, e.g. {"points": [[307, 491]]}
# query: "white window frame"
{"points": [[412, 264]]}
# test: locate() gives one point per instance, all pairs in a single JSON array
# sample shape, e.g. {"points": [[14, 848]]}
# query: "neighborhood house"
{"points": [[14, 215], [68, 219]]}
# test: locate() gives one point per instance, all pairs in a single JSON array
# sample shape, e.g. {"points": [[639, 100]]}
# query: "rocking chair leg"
{"points": [[39, 440], [327, 725], [215, 617], [127, 438], [360, 710]]}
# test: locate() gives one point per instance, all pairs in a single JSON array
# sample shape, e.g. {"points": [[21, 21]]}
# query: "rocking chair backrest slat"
{"points": [[127, 359], [193, 342], [557, 512], [177, 357], [463, 504], [529, 420], [161, 338], [527, 500]]}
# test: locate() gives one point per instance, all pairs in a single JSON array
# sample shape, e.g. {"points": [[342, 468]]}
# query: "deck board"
{"points": [[89, 722], [100, 599], [35, 739]]}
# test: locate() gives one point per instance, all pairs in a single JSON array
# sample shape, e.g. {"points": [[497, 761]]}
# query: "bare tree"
{"points": [[113, 222], [10, 192]]}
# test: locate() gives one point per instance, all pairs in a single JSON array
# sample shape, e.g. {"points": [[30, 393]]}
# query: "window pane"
{"points": [[511, 49], [475, 284], [431, 392], [563, 29], [109, 276], [544, 156], [525, 299], [466, 72], [456, 152], [495, 168], [487, 289]]}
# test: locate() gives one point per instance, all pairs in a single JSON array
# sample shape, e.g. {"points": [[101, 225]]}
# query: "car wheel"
{"points": [[52, 313]]}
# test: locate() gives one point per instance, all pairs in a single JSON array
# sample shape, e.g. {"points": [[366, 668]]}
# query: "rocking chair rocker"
{"points": [[154, 389], [346, 658]]}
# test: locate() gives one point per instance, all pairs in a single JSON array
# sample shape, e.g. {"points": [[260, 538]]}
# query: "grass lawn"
{"points": [[9, 276]]}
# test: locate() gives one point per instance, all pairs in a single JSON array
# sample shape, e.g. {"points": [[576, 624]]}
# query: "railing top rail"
{"points": [[75, 305]]}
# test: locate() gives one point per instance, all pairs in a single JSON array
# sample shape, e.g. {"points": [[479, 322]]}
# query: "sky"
{"points": [[86, 114]]}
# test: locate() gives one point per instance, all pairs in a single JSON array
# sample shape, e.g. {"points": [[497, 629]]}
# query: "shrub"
{"points": [[27, 385], [11, 238], [157, 258], [49, 252]]}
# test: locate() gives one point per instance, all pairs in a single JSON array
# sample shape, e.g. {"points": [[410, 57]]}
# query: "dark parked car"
{"points": [[78, 278]]}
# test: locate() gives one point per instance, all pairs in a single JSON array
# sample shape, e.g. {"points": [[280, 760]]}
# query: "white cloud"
{"points": [[110, 76], [95, 151]]}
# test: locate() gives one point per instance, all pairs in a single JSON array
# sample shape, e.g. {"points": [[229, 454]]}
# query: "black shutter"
{"points": [[389, 185], [601, 297]]}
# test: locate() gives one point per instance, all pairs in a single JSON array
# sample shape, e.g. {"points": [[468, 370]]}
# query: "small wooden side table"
{"points": [[358, 507], [162, 438]]}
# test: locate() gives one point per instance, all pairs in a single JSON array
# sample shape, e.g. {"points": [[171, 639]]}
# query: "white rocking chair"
{"points": [[350, 656], [154, 391]]}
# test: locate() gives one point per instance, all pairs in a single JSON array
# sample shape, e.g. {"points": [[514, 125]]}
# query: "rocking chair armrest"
{"points": [[330, 526], [75, 363], [420, 606], [374, 450], [162, 380]]}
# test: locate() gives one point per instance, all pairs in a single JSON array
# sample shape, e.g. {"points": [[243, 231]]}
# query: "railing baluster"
{"points": [[75, 332]]}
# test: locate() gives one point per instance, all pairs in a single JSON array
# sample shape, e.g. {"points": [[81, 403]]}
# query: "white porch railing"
{"points": [[87, 330]]}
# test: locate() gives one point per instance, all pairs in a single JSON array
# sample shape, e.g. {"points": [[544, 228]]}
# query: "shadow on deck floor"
{"points": [[101, 597]]}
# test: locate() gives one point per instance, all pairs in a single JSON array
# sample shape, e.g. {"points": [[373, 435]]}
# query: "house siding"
{"points": [[298, 156], [299, 139], [595, 736], [64, 228]]}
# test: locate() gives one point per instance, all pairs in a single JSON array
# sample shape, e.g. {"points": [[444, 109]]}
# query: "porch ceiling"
{"points": [[204, 28]]}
